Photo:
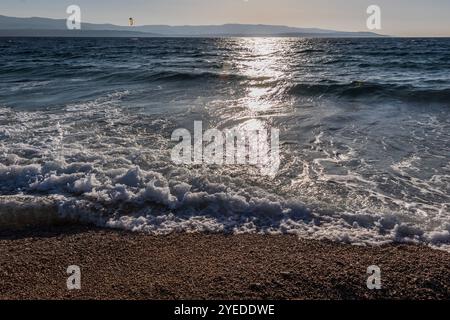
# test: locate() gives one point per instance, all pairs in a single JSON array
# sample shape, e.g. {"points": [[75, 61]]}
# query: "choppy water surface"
{"points": [[365, 134]]}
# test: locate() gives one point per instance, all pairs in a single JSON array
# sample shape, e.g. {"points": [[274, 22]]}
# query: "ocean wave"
{"points": [[170, 76], [359, 89], [148, 201]]}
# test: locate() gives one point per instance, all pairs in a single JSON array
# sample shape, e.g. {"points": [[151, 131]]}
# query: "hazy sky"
{"points": [[399, 17]]}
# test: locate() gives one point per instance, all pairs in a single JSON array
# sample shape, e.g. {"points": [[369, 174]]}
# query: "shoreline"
{"points": [[122, 265]]}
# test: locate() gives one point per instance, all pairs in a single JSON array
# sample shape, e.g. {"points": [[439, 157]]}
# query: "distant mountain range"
{"points": [[45, 27]]}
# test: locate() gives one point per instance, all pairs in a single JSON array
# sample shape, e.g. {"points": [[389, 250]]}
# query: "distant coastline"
{"points": [[45, 27], [126, 34]]}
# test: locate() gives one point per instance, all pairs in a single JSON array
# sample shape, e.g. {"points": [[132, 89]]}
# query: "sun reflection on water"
{"points": [[263, 62]]}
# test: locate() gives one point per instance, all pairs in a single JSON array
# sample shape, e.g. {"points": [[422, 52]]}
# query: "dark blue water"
{"points": [[365, 133], [38, 73]]}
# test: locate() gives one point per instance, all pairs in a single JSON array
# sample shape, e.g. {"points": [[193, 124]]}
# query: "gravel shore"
{"points": [[122, 265]]}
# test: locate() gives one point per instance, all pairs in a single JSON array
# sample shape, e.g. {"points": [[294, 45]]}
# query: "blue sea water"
{"points": [[364, 123]]}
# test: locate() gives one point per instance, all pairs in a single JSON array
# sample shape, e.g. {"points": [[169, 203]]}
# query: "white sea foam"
{"points": [[97, 163]]}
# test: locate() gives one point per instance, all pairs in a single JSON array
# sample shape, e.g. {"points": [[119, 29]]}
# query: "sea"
{"points": [[86, 130]]}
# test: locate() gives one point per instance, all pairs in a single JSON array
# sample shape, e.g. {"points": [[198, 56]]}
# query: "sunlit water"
{"points": [[365, 134]]}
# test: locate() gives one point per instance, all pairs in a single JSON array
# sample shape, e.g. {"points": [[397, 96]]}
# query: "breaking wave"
{"points": [[108, 171]]}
